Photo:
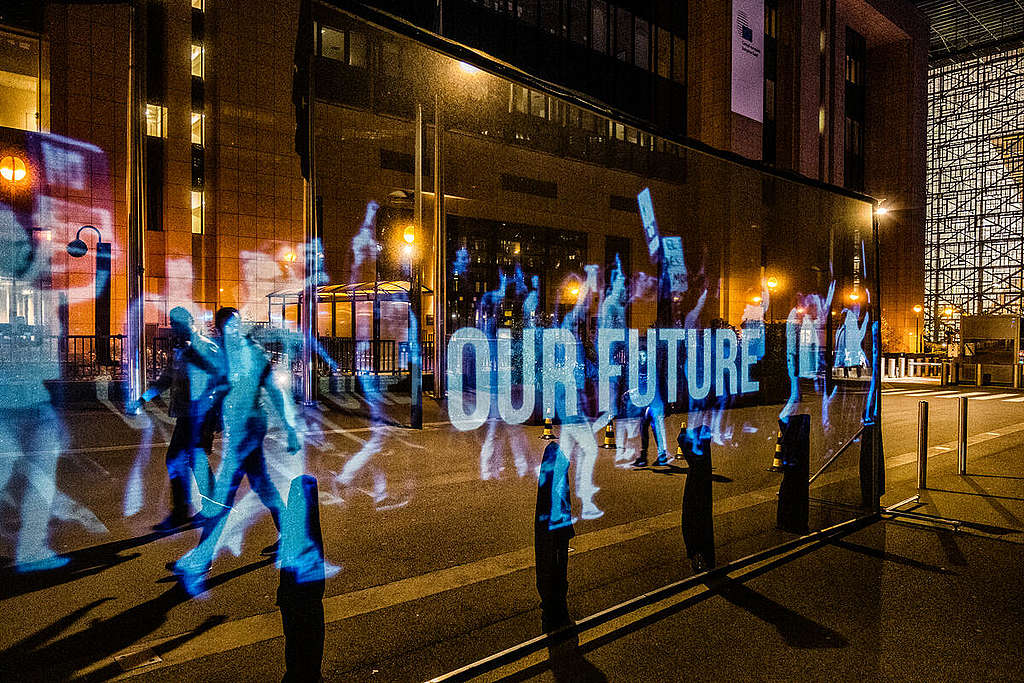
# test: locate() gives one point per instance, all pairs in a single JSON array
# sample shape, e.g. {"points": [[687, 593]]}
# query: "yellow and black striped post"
{"points": [[548, 434], [609, 436], [777, 459]]}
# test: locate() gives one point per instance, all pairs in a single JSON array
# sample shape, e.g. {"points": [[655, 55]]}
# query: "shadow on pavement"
{"points": [[83, 562], [62, 659], [890, 557], [795, 629]]}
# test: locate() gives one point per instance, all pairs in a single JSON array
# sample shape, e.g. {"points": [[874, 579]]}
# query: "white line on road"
{"points": [[992, 397], [1019, 399]]}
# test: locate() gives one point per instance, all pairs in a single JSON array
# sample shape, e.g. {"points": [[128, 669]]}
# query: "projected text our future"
{"points": [[712, 360]]}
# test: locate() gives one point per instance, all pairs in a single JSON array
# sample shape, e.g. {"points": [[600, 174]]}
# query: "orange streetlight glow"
{"points": [[290, 256], [409, 234], [918, 308], [12, 169], [772, 282]]}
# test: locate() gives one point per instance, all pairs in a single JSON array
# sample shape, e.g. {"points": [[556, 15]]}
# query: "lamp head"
{"points": [[77, 248]]}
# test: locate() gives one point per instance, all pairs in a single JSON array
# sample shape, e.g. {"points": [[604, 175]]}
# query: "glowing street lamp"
{"points": [[409, 234], [772, 283], [13, 169]]}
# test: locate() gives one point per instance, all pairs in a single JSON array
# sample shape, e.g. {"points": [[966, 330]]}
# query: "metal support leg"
{"points": [[961, 451], [922, 444]]}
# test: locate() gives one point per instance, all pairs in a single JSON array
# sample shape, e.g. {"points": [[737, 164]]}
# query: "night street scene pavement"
{"points": [[561, 340]]}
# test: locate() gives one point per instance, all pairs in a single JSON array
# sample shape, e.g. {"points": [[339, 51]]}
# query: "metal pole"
{"points": [[922, 444], [440, 262], [307, 309], [415, 360], [135, 366], [961, 451]]}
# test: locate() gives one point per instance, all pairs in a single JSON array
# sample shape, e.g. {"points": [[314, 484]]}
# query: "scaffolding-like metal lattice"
{"points": [[974, 230]]}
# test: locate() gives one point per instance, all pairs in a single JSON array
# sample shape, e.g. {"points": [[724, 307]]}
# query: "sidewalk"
{"points": [[897, 599]]}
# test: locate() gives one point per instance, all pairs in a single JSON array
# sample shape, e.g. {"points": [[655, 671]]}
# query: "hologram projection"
{"points": [[618, 313]]}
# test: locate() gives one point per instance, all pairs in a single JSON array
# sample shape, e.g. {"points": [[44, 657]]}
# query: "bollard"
{"points": [[961, 450], [1016, 376], [979, 375], [903, 366], [609, 436], [794, 504], [548, 434], [922, 444]]}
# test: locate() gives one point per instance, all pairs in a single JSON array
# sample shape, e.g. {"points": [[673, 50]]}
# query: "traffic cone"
{"points": [[548, 435], [777, 460], [609, 436]]}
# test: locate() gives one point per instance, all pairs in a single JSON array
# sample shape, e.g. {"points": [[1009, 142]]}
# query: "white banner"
{"points": [[748, 58]]}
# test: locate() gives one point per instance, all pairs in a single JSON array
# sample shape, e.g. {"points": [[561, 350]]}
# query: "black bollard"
{"points": [[698, 519], [869, 456], [552, 530], [792, 512], [301, 591]]}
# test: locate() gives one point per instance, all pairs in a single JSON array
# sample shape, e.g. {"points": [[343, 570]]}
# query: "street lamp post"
{"points": [[101, 306], [772, 283], [917, 328]]}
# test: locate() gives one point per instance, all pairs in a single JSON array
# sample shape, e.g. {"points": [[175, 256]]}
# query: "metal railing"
{"points": [[77, 357]]}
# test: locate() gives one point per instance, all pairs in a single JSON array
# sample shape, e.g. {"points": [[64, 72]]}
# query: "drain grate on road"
{"points": [[137, 660]]}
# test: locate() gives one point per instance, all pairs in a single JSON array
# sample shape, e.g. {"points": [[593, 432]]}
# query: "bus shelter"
{"points": [[363, 327]]}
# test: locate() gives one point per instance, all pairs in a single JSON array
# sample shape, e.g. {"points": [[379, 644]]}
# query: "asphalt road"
{"points": [[444, 557]]}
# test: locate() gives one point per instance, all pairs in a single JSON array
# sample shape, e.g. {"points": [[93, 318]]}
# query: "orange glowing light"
{"points": [[13, 169], [409, 234]]}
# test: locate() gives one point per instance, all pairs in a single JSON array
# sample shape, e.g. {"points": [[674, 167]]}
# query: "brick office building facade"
{"points": [[844, 103]]}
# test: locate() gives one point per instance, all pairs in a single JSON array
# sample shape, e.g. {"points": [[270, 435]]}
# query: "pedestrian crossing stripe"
{"points": [[891, 392], [935, 394], [992, 397], [1019, 399]]}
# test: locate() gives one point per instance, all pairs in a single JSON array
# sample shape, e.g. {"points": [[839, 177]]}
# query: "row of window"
{"points": [[604, 28], [522, 100], [198, 117]]}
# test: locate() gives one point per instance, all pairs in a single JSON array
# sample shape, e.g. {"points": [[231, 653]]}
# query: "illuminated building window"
{"points": [[156, 120], [19, 82], [198, 121], [199, 4], [197, 60], [198, 203], [332, 44], [347, 47]]}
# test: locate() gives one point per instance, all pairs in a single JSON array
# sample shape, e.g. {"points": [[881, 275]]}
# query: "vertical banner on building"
{"points": [[748, 58]]}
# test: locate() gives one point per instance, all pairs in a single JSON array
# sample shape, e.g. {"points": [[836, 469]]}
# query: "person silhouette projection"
{"points": [[249, 375], [194, 375]]}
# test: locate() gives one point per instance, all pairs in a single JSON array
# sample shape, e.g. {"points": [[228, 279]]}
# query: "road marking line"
{"points": [[893, 392], [992, 397], [1019, 399]]}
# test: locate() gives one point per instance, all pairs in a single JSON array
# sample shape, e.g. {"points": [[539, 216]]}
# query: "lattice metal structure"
{"points": [[974, 230]]}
